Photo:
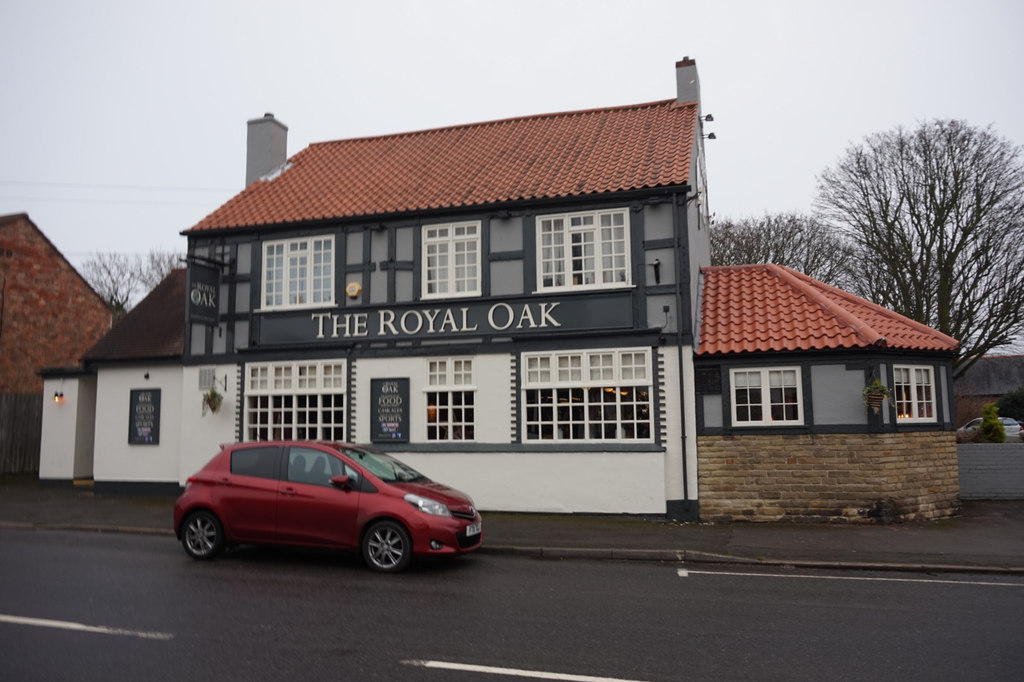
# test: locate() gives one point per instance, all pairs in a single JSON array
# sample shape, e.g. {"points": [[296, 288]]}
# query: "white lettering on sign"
{"points": [[203, 294], [435, 321]]}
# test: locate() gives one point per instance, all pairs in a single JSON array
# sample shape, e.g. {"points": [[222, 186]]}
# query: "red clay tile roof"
{"points": [[546, 156], [751, 308], [155, 328]]}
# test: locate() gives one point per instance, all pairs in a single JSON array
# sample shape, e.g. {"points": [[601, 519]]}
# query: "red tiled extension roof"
{"points": [[752, 308], [155, 328], [534, 157]]}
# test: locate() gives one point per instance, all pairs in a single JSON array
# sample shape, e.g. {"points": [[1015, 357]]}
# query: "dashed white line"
{"points": [[684, 573], [81, 627], [513, 672]]}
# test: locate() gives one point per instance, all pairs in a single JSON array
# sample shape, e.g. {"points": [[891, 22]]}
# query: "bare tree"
{"points": [[795, 240], [937, 215], [122, 279]]}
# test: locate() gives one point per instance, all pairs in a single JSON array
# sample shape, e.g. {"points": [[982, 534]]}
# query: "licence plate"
{"points": [[472, 530]]}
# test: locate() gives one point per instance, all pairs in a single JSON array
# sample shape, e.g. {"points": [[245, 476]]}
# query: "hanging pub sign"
{"points": [[144, 417], [203, 288], [389, 401]]}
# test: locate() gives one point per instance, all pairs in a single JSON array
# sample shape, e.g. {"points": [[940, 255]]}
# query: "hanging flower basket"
{"points": [[875, 394], [212, 401]]}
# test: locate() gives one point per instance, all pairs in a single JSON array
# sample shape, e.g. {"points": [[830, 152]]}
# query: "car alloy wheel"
{"points": [[387, 547], [202, 535]]}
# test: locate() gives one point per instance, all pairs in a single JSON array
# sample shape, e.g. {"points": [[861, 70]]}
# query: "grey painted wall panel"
{"points": [[837, 398]]}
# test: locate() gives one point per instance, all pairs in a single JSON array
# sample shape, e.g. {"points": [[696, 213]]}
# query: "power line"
{"points": [[146, 188]]}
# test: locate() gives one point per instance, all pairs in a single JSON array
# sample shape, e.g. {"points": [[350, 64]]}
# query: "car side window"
{"points": [[260, 462], [316, 467]]}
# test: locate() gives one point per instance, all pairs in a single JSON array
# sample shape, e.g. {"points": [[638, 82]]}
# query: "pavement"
{"points": [[986, 537]]}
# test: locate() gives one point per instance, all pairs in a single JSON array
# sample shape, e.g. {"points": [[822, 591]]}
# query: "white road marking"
{"points": [[513, 672], [684, 573], [81, 627]]}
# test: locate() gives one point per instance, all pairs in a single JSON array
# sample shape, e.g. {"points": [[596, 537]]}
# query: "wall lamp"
{"points": [[709, 118], [709, 136], [58, 397], [657, 270]]}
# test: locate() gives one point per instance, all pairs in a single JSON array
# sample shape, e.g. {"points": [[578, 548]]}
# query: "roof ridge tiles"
{"points": [[881, 310], [861, 328], [570, 113]]}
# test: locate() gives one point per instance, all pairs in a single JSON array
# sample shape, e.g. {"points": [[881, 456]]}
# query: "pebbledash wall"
{"points": [[833, 477]]}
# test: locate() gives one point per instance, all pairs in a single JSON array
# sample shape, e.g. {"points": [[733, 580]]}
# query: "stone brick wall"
{"points": [[51, 316], [865, 477]]}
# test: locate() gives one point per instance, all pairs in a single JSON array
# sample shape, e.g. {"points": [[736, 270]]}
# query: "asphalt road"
{"points": [[89, 606]]}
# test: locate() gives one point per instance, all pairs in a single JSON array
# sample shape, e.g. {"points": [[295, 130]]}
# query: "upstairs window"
{"points": [[298, 273], [587, 250], [914, 393], [766, 396], [451, 260]]}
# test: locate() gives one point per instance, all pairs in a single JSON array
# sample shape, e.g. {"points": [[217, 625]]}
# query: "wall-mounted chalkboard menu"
{"points": [[144, 417], [389, 402]]}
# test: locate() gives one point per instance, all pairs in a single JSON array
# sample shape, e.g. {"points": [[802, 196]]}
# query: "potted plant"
{"points": [[212, 400], [875, 393]]}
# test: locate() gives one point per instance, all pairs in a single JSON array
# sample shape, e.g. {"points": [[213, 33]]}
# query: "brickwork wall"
{"points": [[50, 315], [828, 477]]}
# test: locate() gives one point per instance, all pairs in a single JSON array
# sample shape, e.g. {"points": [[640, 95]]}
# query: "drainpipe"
{"points": [[681, 269]]}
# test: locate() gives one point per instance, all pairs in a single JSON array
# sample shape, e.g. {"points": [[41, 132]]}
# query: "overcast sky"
{"points": [[124, 123]]}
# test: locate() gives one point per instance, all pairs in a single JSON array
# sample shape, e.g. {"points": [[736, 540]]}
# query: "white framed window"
{"points": [[451, 399], [588, 395], [451, 260], [914, 393], [300, 400], [766, 396], [588, 250], [298, 273]]}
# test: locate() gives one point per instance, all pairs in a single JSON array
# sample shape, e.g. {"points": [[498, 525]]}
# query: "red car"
{"points": [[323, 495]]}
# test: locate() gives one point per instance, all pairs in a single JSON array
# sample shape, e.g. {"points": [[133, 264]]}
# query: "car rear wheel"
{"points": [[202, 535], [387, 547]]}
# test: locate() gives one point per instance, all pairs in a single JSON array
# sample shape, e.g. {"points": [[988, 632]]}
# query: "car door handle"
{"points": [[290, 492]]}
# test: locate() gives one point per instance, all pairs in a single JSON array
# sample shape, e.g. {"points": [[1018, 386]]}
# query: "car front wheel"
{"points": [[202, 535], [387, 547]]}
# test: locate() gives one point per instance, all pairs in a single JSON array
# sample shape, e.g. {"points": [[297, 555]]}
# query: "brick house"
{"points": [[49, 315]]}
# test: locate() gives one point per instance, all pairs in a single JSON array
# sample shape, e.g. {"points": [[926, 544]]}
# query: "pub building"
{"points": [[512, 307]]}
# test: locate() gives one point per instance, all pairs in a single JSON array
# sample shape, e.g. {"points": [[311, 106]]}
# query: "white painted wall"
{"points": [[202, 435], [554, 482], [114, 459], [66, 443]]}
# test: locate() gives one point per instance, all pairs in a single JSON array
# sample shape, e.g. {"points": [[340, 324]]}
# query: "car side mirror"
{"points": [[341, 481]]}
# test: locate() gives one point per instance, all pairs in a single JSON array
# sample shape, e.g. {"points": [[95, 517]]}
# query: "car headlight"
{"points": [[427, 506]]}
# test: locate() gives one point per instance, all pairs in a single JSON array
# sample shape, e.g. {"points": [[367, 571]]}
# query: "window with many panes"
{"points": [[451, 398], [914, 393], [766, 396], [300, 400], [593, 395], [298, 273], [451, 260], [583, 250]]}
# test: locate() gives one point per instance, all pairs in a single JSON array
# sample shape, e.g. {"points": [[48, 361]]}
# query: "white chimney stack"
{"points": [[266, 147], [687, 83]]}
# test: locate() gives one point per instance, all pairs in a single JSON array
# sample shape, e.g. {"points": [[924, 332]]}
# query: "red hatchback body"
{"points": [[323, 495]]}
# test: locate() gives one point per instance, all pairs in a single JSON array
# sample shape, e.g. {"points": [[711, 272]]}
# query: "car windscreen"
{"points": [[383, 466]]}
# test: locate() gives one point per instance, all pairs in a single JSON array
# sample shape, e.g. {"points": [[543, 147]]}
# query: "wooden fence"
{"points": [[21, 420]]}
